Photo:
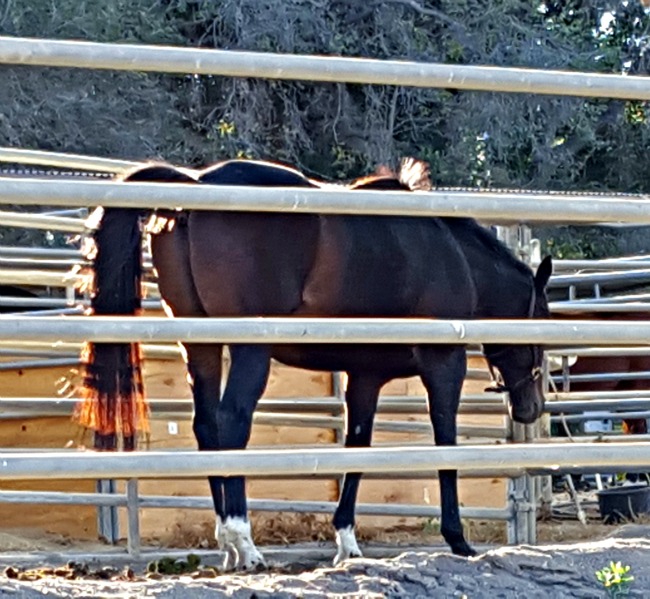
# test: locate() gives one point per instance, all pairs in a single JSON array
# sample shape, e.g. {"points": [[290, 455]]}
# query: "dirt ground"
{"points": [[562, 565], [544, 571]]}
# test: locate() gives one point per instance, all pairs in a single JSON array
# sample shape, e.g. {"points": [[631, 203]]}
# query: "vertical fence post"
{"points": [[133, 517], [107, 520], [338, 390], [522, 490]]}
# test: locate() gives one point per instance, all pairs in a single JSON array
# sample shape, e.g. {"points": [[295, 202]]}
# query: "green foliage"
{"points": [[616, 579], [573, 243], [343, 130], [169, 565], [431, 526]]}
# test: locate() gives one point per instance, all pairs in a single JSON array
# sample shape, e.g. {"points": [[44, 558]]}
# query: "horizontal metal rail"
{"points": [[169, 59], [35, 364], [604, 376], [578, 307], [416, 331], [387, 405], [485, 206], [590, 396], [608, 416], [609, 264], [41, 221], [54, 302], [150, 350], [15, 276], [610, 299], [255, 505], [63, 263], [607, 439], [608, 405], [601, 278], [270, 462], [70, 161], [599, 352], [9, 251]]}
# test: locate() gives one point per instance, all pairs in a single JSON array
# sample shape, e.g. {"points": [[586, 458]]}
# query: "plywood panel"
{"points": [[167, 379], [472, 492]]}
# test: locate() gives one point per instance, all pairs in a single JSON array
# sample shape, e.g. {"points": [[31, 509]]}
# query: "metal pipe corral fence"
{"points": [[131, 57]]}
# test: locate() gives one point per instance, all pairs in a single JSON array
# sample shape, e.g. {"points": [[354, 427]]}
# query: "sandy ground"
{"points": [[405, 560], [558, 570]]}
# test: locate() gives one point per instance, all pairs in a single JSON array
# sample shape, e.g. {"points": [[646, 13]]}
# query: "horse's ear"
{"points": [[543, 274]]}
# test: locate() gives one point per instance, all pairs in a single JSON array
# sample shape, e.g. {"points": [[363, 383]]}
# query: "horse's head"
{"points": [[520, 366]]}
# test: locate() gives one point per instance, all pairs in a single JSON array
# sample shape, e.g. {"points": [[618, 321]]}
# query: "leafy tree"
{"points": [[343, 130]]}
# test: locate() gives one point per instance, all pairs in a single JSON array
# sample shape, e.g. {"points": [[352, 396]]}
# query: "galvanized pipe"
{"points": [[609, 264], [606, 405], [53, 302], [41, 221], [577, 307], [273, 462], [606, 352], [70, 161], [161, 407], [609, 416], [35, 252], [632, 276], [169, 59], [11, 276], [255, 505], [485, 206], [272, 330], [606, 376]]}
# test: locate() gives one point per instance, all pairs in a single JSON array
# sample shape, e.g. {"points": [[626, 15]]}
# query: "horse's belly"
{"points": [[347, 358]]}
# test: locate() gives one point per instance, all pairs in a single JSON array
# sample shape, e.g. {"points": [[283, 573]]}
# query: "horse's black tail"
{"points": [[113, 406]]}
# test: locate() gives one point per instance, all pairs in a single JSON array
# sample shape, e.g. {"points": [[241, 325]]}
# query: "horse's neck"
{"points": [[503, 286], [507, 295]]}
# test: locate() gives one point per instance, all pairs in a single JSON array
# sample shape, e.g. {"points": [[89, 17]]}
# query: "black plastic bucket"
{"points": [[620, 504]]}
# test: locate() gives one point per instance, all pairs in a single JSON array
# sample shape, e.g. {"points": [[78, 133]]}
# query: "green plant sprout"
{"points": [[615, 579]]}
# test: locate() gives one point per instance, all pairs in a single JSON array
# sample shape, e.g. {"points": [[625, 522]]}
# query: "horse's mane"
{"points": [[492, 244], [413, 175]]}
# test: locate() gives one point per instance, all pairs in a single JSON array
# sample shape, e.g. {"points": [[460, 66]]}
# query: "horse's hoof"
{"points": [[464, 550], [253, 563], [347, 545], [342, 556]]}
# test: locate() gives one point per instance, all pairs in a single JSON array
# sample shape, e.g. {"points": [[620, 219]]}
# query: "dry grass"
{"points": [[286, 529]]}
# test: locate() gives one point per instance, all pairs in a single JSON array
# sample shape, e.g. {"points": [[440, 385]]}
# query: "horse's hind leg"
{"points": [[361, 404], [249, 371], [442, 370], [204, 363]]}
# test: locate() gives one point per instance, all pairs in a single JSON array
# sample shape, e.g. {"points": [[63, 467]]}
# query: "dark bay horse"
{"points": [[275, 264]]}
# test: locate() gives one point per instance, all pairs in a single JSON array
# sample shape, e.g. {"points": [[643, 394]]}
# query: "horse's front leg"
{"points": [[361, 404], [443, 371], [247, 378]]}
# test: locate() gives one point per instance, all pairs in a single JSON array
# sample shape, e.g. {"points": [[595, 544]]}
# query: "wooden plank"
{"points": [[167, 378]]}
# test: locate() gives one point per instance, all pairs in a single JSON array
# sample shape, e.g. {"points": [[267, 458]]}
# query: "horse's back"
{"points": [[248, 263], [388, 266], [253, 172]]}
